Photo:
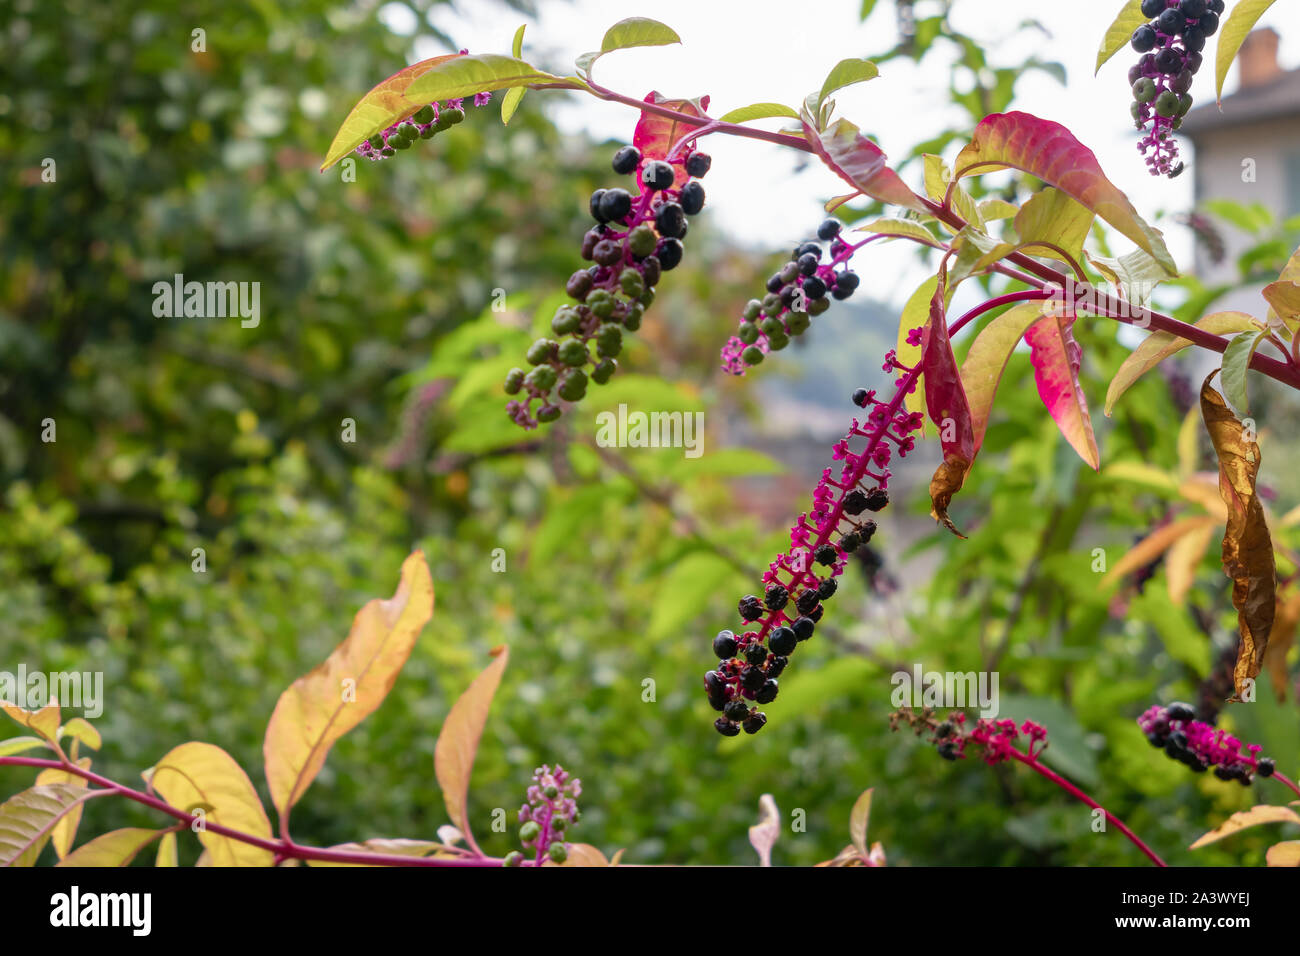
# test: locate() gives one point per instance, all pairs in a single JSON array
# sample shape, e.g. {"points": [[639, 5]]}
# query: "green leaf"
{"points": [[1133, 276], [637, 31], [28, 818], [858, 820], [17, 745], [867, 7], [81, 729], [903, 229], [755, 111], [993, 209], [510, 102], [1120, 32], [846, 73], [1236, 361], [1068, 750], [684, 592], [1241, 20], [479, 73], [1158, 346], [115, 848]]}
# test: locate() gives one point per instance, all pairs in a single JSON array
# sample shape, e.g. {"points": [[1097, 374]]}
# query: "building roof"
{"points": [[1277, 99]]}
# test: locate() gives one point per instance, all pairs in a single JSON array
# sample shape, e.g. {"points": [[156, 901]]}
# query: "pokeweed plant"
{"points": [[204, 790], [1035, 248]]}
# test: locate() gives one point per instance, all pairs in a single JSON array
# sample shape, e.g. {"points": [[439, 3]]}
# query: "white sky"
{"points": [[745, 52]]}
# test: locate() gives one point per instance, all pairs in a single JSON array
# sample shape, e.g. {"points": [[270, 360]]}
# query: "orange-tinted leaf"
{"points": [[584, 854], [1051, 152], [115, 848], [1156, 544], [1247, 547], [1285, 620], [946, 403], [320, 707], [656, 135], [203, 775], [1243, 819], [1056, 357], [1184, 558], [44, 722], [453, 756], [858, 161], [1286, 853], [1284, 300]]}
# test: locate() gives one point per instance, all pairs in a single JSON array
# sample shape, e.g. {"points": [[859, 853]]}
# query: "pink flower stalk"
{"points": [[1201, 746], [552, 808]]}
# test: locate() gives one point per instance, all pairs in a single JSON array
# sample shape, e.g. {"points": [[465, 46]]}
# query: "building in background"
{"points": [[1247, 151]]}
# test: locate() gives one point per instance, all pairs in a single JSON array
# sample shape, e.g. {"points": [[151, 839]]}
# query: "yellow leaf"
{"points": [[167, 855], [858, 818], [1285, 621], [391, 847], [1243, 819], [1183, 558], [196, 774], [1154, 545], [65, 831], [44, 722], [453, 756], [1284, 854], [115, 848], [81, 729], [28, 818], [320, 707], [1284, 297], [1247, 548]]}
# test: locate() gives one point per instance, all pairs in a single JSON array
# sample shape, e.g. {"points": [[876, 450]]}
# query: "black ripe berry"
{"points": [[692, 198], [625, 160], [752, 677], [1156, 740], [806, 602], [657, 175], [1144, 38], [847, 280], [750, 608], [828, 230], [724, 645], [755, 722], [713, 683], [860, 397], [825, 555], [670, 220], [1194, 39], [807, 264], [827, 589], [803, 628], [726, 727], [669, 253], [1264, 767], [774, 283], [1179, 711], [816, 613], [868, 530], [945, 729], [1170, 23], [737, 710], [1169, 60], [1193, 8], [814, 288], [594, 206], [615, 204], [1208, 24], [947, 750], [756, 654], [855, 502], [698, 164], [1152, 8], [851, 542], [776, 665], [782, 641], [776, 597], [877, 498], [767, 693]]}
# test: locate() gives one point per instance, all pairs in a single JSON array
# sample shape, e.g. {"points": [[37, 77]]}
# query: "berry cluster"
{"points": [[551, 809], [795, 292], [637, 236], [952, 738], [1171, 46], [791, 605], [1176, 730]]}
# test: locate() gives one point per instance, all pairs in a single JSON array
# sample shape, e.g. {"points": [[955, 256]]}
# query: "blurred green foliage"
{"points": [[175, 434]]}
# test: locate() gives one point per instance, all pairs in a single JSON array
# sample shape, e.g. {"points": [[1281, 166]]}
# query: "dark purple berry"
{"points": [[807, 263], [782, 641], [713, 682], [776, 597], [1264, 766], [1144, 38], [752, 677], [750, 608], [615, 204], [803, 628], [724, 645], [669, 253], [850, 542], [860, 397], [756, 654], [774, 283], [855, 502], [1216, 6], [1152, 8], [755, 722], [767, 693], [1180, 711], [1171, 23], [814, 287], [657, 175], [826, 555], [948, 750], [607, 252], [737, 710], [726, 727], [626, 159], [827, 589], [1193, 62], [1194, 39], [692, 198], [595, 207], [698, 164], [1208, 24], [777, 665], [670, 220], [867, 530], [816, 613], [945, 729], [877, 498], [828, 230], [1169, 60], [807, 601]]}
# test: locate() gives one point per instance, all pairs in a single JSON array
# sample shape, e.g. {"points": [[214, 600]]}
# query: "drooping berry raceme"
{"points": [[800, 289], [637, 237], [798, 581], [1200, 746], [994, 740], [424, 123], [1171, 45], [551, 810]]}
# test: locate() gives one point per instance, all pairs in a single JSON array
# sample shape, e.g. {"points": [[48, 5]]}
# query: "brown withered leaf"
{"points": [[1247, 547], [947, 481], [1285, 621]]}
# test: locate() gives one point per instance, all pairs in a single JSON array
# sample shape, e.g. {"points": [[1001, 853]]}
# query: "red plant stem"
{"points": [[1286, 782], [1078, 794], [283, 849], [1025, 295]]}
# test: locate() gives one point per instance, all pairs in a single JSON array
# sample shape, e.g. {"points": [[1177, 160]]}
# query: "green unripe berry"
{"points": [[408, 131], [818, 306], [771, 326], [1178, 122], [551, 791], [573, 385], [752, 355], [377, 141], [573, 353], [647, 296], [423, 115], [548, 413], [601, 303], [452, 116], [566, 321], [631, 283], [752, 310], [559, 824], [789, 272], [609, 340], [748, 333], [1135, 110], [399, 142], [428, 132], [540, 351], [603, 371], [557, 852], [1184, 104], [1167, 104], [541, 378], [642, 241], [777, 342], [514, 381], [1144, 90], [798, 322], [772, 304], [632, 321], [513, 858]]}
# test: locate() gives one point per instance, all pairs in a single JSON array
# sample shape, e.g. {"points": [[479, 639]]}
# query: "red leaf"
{"points": [[859, 162], [1056, 357], [948, 407], [1050, 151], [655, 135]]}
